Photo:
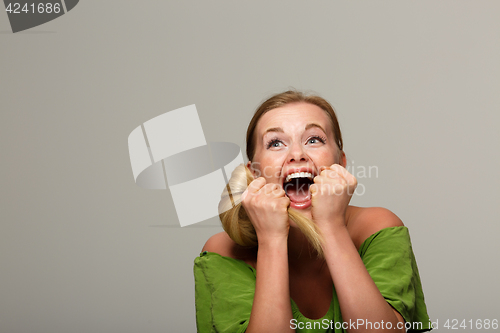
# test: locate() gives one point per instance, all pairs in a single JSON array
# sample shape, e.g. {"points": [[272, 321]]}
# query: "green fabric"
{"points": [[224, 287]]}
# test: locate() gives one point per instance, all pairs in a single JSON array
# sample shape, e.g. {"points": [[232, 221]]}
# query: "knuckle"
{"points": [[354, 181]]}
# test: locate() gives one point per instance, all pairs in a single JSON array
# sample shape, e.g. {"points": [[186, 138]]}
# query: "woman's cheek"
{"points": [[322, 158], [271, 169]]}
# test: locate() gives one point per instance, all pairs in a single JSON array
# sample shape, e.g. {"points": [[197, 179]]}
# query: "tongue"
{"points": [[298, 190]]}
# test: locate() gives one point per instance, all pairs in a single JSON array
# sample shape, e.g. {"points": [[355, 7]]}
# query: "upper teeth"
{"points": [[299, 175]]}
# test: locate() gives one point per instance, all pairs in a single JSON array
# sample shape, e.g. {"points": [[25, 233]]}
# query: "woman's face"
{"points": [[292, 143]]}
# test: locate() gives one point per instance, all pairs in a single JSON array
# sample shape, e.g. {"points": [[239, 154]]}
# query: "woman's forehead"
{"points": [[296, 115]]}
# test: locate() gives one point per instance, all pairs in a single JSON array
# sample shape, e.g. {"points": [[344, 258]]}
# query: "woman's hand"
{"points": [[267, 207], [330, 194]]}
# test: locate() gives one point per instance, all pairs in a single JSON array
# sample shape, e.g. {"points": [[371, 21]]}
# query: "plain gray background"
{"points": [[82, 249]]}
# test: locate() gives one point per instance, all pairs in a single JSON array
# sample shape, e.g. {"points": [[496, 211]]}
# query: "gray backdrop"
{"points": [[83, 249]]}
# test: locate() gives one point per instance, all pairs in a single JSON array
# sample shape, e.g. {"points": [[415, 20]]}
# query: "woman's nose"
{"points": [[297, 154]]}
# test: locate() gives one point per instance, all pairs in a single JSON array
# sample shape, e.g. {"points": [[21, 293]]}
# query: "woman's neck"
{"points": [[301, 255]]}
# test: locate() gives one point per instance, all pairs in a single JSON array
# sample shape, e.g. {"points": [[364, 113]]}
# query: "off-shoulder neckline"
{"points": [[295, 307], [204, 253]]}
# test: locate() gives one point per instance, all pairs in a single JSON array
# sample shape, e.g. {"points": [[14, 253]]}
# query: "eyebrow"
{"points": [[308, 126], [280, 130], [274, 129]]}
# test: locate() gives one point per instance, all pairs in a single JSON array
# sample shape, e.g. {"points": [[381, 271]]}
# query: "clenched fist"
{"points": [[267, 207], [330, 194]]}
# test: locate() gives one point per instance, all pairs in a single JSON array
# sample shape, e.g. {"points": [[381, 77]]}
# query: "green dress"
{"points": [[224, 288]]}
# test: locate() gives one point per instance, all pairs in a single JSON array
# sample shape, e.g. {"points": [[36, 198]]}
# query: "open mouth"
{"points": [[296, 187]]}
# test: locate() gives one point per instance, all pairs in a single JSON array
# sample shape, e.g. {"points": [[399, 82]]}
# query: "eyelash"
{"points": [[271, 142], [319, 138], [275, 140]]}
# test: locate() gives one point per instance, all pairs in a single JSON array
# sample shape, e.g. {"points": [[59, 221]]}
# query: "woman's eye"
{"points": [[274, 144], [315, 139]]}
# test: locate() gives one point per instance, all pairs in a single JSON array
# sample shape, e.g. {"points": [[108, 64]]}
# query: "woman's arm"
{"points": [[358, 296], [271, 310], [266, 206]]}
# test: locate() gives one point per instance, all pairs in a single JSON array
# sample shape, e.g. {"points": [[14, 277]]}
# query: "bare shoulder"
{"points": [[365, 221], [220, 243]]}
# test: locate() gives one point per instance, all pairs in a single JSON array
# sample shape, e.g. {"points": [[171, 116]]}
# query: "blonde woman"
{"points": [[295, 256]]}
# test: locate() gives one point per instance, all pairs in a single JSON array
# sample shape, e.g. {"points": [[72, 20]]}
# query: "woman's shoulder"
{"points": [[362, 222], [222, 244]]}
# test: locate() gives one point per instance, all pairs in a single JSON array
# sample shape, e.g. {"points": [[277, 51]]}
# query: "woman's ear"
{"points": [[343, 160], [250, 167]]}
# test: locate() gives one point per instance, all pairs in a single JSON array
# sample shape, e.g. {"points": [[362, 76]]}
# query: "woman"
{"points": [[361, 277]]}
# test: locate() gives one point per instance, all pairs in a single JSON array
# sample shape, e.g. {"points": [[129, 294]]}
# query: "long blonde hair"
{"points": [[237, 224]]}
